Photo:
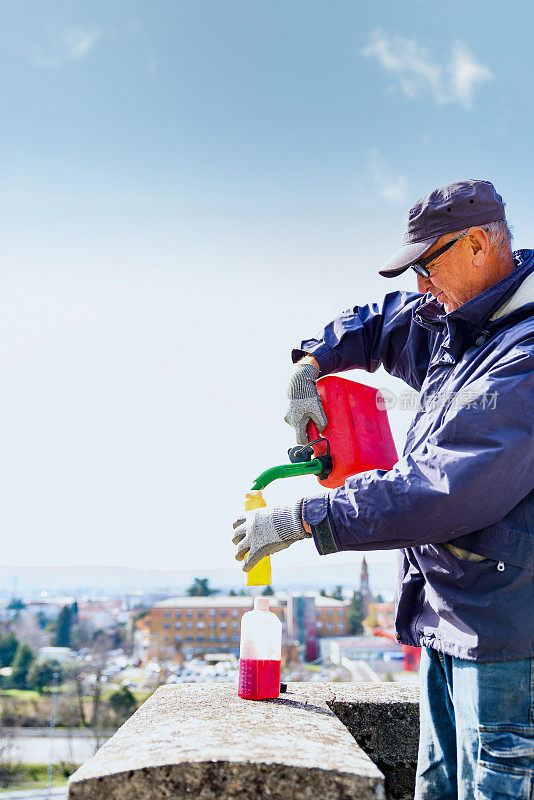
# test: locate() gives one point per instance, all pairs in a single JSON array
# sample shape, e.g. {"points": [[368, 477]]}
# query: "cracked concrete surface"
{"points": [[204, 741], [384, 720]]}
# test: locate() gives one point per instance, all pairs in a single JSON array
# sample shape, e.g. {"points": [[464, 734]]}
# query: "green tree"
{"points": [[41, 674], [74, 609], [42, 620], [22, 661], [15, 604], [8, 648], [63, 627], [371, 620], [123, 704], [231, 593], [268, 591], [355, 615], [337, 594], [200, 588], [378, 598]]}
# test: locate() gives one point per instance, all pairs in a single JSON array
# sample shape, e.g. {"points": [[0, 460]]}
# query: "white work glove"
{"points": [[265, 531], [304, 402]]}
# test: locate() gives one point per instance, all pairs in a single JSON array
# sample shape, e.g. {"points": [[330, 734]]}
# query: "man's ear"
{"points": [[480, 246]]}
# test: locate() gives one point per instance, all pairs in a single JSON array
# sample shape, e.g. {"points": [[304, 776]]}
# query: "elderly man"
{"points": [[460, 501]]}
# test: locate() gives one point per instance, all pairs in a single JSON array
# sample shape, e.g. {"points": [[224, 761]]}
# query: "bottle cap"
{"points": [[261, 604]]}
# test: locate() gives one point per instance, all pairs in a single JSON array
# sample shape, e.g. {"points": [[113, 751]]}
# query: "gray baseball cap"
{"points": [[448, 209]]}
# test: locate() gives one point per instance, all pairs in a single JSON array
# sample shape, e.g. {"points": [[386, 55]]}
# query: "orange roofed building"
{"points": [[199, 625]]}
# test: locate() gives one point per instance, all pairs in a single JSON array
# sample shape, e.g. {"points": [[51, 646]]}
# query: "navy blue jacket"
{"points": [[466, 476]]}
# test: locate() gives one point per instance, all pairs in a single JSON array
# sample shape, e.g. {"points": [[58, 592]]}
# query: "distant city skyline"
{"points": [[115, 581]]}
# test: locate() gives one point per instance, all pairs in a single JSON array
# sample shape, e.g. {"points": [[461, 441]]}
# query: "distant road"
{"points": [[31, 745], [36, 794]]}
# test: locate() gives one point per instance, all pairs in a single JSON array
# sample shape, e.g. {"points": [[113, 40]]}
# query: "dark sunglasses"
{"points": [[421, 266]]}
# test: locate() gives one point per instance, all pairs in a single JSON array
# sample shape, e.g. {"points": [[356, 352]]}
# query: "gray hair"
{"points": [[499, 235]]}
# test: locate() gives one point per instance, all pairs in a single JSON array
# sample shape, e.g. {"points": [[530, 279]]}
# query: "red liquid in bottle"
{"points": [[258, 679]]}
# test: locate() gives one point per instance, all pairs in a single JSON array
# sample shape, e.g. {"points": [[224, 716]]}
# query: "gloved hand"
{"points": [[265, 531], [304, 401]]}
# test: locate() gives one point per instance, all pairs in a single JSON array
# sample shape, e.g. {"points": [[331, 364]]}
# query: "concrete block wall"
{"points": [[336, 741]]}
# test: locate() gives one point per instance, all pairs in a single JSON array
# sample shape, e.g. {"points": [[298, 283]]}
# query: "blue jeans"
{"points": [[477, 729]]}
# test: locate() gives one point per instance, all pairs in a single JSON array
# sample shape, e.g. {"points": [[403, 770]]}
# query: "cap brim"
{"points": [[407, 256]]}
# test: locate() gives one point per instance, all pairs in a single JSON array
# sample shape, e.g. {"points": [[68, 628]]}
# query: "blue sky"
{"points": [[187, 190]]}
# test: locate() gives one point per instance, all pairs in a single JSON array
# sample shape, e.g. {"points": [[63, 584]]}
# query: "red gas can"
{"points": [[358, 429]]}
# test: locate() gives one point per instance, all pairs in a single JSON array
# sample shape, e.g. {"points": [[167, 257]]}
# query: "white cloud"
{"points": [[72, 43], [80, 41], [465, 74], [391, 187], [418, 73]]}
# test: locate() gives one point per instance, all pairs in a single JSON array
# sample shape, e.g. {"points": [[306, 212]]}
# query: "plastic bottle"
{"points": [[260, 575], [260, 653]]}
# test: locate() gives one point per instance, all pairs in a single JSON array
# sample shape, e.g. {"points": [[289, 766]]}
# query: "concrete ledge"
{"points": [[203, 741], [384, 720]]}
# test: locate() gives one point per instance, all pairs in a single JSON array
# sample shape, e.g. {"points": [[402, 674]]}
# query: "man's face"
{"points": [[454, 276]]}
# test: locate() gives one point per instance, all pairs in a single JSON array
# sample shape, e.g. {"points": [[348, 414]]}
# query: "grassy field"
{"points": [[141, 695], [28, 708], [21, 694], [33, 776]]}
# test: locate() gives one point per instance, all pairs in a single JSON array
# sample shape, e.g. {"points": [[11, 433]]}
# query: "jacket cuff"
{"points": [[315, 513], [320, 351]]}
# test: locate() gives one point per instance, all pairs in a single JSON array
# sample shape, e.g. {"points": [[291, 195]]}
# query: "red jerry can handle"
{"points": [[358, 429]]}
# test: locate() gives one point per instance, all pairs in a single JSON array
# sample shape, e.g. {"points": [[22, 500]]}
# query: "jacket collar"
{"points": [[523, 296], [469, 319]]}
